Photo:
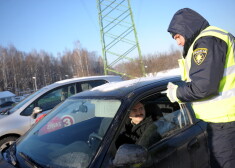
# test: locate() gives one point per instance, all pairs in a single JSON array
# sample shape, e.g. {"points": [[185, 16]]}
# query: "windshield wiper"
{"points": [[29, 161]]}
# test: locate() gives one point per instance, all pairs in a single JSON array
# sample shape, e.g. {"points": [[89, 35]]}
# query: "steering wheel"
{"points": [[94, 139]]}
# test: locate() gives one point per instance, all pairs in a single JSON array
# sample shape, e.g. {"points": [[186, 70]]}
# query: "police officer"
{"points": [[208, 72]]}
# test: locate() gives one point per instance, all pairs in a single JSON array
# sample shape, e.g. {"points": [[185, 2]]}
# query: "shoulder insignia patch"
{"points": [[199, 55]]}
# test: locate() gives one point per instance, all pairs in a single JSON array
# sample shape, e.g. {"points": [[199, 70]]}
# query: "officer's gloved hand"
{"points": [[171, 92]]}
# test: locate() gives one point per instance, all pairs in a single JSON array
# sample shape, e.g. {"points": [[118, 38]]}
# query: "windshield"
{"points": [[70, 135], [20, 104]]}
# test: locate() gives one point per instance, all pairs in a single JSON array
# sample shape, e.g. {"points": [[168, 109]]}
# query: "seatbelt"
{"points": [[184, 111]]}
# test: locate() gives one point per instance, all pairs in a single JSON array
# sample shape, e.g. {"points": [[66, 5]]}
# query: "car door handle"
{"points": [[193, 144]]}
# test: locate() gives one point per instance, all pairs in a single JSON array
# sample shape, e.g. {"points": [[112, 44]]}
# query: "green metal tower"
{"points": [[118, 36]]}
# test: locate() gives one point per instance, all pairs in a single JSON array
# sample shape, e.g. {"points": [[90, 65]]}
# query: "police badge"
{"points": [[199, 55]]}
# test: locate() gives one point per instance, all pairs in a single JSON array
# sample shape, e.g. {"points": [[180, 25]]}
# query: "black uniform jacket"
{"points": [[205, 77]]}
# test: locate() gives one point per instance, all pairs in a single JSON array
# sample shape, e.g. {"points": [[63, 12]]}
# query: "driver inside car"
{"points": [[137, 123]]}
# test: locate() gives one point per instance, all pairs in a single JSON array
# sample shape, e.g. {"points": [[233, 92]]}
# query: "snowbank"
{"points": [[169, 72]]}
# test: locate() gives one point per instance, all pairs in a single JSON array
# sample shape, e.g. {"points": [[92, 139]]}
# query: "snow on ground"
{"points": [[170, 72]]}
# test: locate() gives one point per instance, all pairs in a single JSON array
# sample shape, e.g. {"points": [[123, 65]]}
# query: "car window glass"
{"points": [[89, 85], [26, 100], [71, 134], [85, 86], [49, 100], [8, 103], [28, 111], [96, 83], [53, 98], [71, 90]]}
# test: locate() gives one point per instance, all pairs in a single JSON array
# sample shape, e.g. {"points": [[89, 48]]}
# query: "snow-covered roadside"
{"points": [[170, 72]]}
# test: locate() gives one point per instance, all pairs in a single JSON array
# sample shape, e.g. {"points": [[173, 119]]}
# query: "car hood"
{"points": [[2, 116]]}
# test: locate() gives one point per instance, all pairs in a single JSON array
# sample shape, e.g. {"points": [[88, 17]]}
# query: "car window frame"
{"points": [[35, 102], [127, 103], [176, 132], [89, 82], [149, 93]]}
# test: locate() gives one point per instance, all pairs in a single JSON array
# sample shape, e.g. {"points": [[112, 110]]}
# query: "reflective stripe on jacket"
{"points": [[220, 108]]}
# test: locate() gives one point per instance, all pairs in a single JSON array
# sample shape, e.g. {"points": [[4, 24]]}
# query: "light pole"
{"points": [[35, 83]]}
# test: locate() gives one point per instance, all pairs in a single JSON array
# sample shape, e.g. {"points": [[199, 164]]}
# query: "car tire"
{"points": [[6, 142]]}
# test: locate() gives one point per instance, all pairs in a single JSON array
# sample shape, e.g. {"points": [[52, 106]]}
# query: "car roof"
{"points": [[109, 78], [123, 88]]}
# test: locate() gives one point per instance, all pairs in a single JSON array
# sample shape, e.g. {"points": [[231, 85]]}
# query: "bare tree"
{"points": [[18, 68]]}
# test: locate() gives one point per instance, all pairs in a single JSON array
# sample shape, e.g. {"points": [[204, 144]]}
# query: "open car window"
{"points": [[167, 119]]}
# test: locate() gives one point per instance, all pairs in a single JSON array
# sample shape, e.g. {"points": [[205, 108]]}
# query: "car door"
{"points": [[184, 149], [53, 97], [183, 143], [48, 101]]}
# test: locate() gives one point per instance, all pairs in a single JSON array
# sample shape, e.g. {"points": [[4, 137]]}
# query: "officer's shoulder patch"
{"points": [[199, 55]]}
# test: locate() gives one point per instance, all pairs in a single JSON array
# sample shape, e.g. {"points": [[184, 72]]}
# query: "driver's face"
{"points": [[137, 113]]}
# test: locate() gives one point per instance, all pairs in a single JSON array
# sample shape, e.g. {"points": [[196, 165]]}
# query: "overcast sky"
{"points": [[55, 25]]}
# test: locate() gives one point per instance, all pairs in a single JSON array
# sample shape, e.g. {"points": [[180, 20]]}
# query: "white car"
{"points": [[16, 121], [6, 105]]}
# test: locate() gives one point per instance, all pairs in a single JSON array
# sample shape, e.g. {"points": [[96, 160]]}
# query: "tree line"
{"points": [[153, 63], [19, 70]]}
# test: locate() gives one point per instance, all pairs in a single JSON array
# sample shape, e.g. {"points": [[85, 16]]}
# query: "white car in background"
{"points": [[6, 105], [16, 121]]}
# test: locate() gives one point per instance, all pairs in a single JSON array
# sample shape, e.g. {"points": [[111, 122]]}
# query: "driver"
{"points": [[135, 126]]}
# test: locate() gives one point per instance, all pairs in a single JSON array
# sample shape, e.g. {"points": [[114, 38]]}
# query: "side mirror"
{"points": [[35, 112], [4, 163], [130, 154]]}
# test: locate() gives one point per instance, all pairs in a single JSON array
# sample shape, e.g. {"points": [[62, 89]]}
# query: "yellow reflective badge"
{"points": [[199, 55]]}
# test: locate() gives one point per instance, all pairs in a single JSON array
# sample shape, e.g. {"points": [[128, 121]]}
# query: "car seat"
{"points": [[104, 125], [72, 90], [153, 110]]}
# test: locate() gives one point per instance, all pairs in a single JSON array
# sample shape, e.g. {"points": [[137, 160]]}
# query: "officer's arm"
{"points": [[206, 71]]}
